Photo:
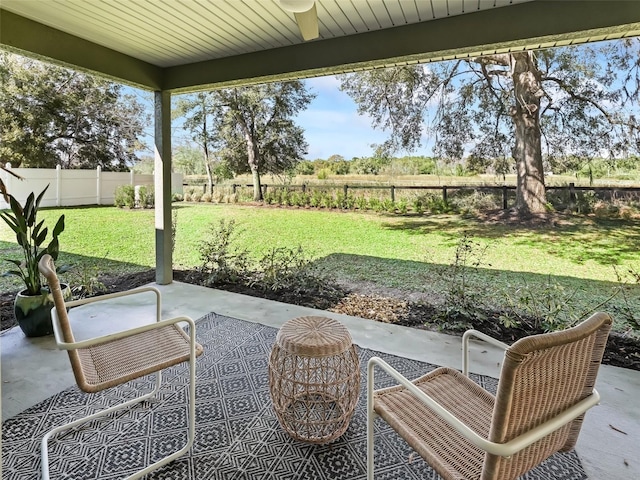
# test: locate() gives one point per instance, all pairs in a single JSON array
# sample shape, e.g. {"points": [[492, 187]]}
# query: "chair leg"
{"points": [[129, 403], [191, 433], [371, 414]]}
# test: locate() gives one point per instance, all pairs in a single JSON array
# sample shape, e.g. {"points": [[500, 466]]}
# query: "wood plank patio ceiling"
{"points": [[186, 45], [167, 33]]}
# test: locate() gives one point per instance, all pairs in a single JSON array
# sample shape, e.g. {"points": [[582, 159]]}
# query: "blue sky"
{"points": [[331, 123]]}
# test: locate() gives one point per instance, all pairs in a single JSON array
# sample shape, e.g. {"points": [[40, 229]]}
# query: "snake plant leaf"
{"points": [[41, 237], [17, 210], [23, 240], [10, 220], [30, 210], [12, 272], [17, 263], [53, 249], [59, 228], [36, 230], [36, 206]]}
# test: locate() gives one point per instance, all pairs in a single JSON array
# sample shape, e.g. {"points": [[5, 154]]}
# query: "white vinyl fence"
{"points": [[75, 187]]}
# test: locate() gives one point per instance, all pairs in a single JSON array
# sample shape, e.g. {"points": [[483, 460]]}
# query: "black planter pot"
{"points": [[33, 312]]}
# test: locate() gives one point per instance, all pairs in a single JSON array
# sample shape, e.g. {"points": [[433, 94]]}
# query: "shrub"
{"points": [[315, 199], [196, 196], [465, 292], [474, 201], [269, 198], [125, 196], [222, 262], [547, 306], [299, 199], [326, 200], [388, 206], [361, 203], [217, 196], [418, 205], [146, 196], [305, 167], [323, 173], [375, 205], [436, 204], [207, 197], [585, 202], [349, 201]]}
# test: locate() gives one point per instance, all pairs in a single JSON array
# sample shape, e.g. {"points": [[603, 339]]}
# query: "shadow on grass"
{"points": [[497, 286], [578, 239], [83, 269]]}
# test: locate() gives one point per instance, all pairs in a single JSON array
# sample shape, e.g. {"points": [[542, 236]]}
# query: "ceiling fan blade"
{"points": [[308, 23]]}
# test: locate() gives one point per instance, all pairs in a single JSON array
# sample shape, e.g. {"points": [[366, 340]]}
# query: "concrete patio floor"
{"points": [[33, 369]]}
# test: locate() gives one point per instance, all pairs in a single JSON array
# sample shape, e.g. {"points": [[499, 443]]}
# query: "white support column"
{"points": [[98, 185], [162, 182], [58, 183]]}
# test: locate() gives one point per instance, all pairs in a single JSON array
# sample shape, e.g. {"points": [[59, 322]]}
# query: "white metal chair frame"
{"points": [[502, 449], [57, 330]]}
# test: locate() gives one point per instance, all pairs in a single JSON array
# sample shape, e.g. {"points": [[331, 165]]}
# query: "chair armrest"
{"points": [[126, 293], [115, 336], [465, 346], [502, 449]]}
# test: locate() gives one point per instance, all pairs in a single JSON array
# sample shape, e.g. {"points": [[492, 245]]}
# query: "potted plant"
{"points": [[32, 305]]}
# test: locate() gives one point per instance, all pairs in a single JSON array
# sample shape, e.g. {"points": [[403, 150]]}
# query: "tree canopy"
{"points": [[51, 116], [248, 129], [529, 106]]}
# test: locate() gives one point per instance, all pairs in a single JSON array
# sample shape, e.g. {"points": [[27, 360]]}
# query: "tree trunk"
{"points": [[207, 168], [257, 186], [254, 160], [527, 152]]}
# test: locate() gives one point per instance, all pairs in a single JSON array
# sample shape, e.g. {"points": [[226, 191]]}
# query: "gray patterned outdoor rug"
{"points": [[237, 433]]}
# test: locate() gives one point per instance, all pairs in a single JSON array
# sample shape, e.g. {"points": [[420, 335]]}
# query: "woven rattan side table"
{"points": [[314, 377]]}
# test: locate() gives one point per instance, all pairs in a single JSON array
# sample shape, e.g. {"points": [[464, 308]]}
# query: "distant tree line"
{"points": [[621, 168]]}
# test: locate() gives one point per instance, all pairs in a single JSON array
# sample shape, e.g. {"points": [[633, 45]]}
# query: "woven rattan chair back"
{"points": [[541, 376]]}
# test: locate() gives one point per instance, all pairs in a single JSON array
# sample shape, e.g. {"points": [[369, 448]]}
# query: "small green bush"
{"points": [[388, 206], [474, 202], [465, 293], [361, 203], [349, 201], [418, 205], [323, 173], [221, 261], [146, 196], [125, 196]]}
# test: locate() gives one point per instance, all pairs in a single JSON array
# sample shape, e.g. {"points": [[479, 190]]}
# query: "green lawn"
{"points": [[405, 252]]}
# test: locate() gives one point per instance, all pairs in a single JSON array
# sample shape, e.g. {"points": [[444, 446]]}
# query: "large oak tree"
{"points": [[250, 129], [529, 106], [51, 116]]}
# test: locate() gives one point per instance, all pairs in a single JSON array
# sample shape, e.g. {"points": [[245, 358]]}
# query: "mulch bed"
{"points": [[621, 351]]}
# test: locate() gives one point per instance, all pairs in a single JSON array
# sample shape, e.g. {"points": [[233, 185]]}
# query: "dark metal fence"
{"points": [[502, 191]]}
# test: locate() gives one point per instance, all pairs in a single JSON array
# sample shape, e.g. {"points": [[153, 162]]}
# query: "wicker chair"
{"points": [[110, 360], [546, 385]]}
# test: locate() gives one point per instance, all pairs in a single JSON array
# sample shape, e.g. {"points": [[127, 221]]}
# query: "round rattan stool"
{"points": [[314, 377]]}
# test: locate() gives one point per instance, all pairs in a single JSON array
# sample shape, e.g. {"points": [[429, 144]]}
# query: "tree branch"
{"points": [[576, 96]]}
